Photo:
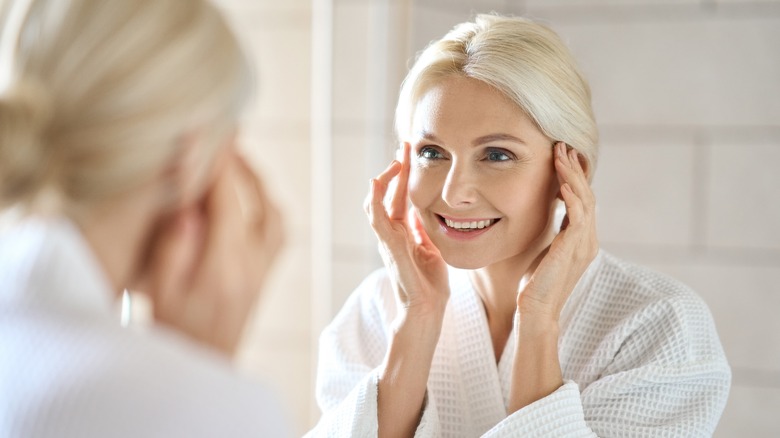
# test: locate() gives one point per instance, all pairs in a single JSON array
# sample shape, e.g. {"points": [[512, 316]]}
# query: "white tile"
{"points": [[747, 2], [431, 22], [466, 6], [277, 38], [347, 275], [743, 208], [246, 15], [643, 194], [284, 365], [369, 59], [282, 58], [352, 25], [285, 304], [744, 302], [751, 412], [354, 163], [533, 4], [681, 71], [239, 5], [281, 153]]}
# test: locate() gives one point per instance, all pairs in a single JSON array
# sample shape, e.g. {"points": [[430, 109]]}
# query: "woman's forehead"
{"points": [[468, 108]]}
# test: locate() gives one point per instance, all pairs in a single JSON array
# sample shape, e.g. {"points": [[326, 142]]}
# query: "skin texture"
{"points": [[476, 155]]}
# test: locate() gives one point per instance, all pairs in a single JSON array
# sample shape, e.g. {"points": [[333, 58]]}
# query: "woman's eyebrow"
{"points": [[496, 137], [429, 136]]}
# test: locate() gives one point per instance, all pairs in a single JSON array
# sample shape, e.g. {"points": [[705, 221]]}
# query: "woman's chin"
{"points": [[463, 261]]}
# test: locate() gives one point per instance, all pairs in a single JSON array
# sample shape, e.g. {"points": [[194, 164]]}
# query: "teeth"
{"points": [[473, 225]]}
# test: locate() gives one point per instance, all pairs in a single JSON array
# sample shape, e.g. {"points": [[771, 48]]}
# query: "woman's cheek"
{"points": [[416, 186]]}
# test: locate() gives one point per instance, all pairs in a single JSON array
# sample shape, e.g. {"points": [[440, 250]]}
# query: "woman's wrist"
{"points": [[536, 359], [403, 378]]}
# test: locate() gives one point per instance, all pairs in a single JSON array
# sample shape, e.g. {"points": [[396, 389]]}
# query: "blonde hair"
{"points": [[101, 93], [525, 61]]}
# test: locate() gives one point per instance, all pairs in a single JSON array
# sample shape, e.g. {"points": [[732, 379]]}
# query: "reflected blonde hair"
{"points": [[525, 61], [102, 92]]}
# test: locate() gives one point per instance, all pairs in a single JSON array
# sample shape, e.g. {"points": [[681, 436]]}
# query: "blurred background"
{"points": [[687, 96]]}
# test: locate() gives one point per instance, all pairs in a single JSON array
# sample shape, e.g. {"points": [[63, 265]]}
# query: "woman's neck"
{"points": [[498, 284], [118, 234]]}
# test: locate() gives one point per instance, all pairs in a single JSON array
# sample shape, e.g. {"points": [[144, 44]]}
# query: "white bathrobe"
{"points": [[68, 369], [639, 354]]}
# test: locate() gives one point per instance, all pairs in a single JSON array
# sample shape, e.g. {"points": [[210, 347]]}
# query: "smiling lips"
{"points": [[467, 225]]}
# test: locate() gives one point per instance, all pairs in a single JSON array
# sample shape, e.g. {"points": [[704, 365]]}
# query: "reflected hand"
{"points": [[572, 250], [209, 262]]}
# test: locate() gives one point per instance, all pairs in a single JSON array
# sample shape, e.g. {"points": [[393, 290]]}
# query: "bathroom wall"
{"points": [[687, 98]]}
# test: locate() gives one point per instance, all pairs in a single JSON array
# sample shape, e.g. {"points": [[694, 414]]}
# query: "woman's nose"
{"points": [[460, 186]]}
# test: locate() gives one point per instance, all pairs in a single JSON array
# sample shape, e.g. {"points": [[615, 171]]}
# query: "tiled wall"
{"points": [[687, 95]]}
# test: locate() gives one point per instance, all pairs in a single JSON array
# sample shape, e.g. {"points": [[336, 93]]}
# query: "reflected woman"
{"points": [[495, 316], [117, 149]]}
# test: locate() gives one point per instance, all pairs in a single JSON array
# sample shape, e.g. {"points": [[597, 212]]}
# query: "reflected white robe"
{"points": [[639, 354], [68, 369]]}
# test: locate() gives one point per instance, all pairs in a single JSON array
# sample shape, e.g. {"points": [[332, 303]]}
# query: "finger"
{"points": [[388, 174], [222, 207], [569, 171], [584, 190], [398, 203], [377, 215], [176, 256], [261, 216], [558, 150], [251, 193], [261, 210], [378, 188], [574, 207], [420, 236]]}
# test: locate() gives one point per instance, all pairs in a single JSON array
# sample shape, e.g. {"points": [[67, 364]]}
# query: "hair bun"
{"points": [[25, 113]]}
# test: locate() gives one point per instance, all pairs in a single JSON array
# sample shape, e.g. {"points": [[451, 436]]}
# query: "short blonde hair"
{"points": [[525, 61], [101, 92]]}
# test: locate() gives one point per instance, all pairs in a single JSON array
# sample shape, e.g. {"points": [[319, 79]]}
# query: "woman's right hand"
{"points": [[419, 276], [417, 270]]}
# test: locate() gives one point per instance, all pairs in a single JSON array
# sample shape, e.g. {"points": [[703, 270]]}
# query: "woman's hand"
{"points": [[419, 276], [536, 371], [417, 270], [208, 263], [572, 250]]}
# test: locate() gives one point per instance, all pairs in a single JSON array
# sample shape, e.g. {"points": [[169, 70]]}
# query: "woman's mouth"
{"points": [[469, 225], [466, 227]]}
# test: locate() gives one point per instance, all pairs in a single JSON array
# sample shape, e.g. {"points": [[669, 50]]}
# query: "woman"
{"points": [[117, 149], [493, 317]]}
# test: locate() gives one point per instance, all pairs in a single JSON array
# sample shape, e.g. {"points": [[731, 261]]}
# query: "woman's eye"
{"points": [[430, 153], [494, 155]]}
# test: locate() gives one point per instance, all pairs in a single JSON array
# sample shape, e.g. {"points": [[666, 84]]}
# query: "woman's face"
{"points": [[482, 175]]}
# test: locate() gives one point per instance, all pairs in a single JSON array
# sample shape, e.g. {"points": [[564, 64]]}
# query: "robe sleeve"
{"points": [[351, 350], [669, 377]]}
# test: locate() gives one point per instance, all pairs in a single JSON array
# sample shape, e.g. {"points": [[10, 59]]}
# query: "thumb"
{"points": [[175, 257], [418, 230]]}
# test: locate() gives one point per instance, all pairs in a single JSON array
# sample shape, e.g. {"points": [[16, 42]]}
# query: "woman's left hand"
{"points": [[572, 250]]}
